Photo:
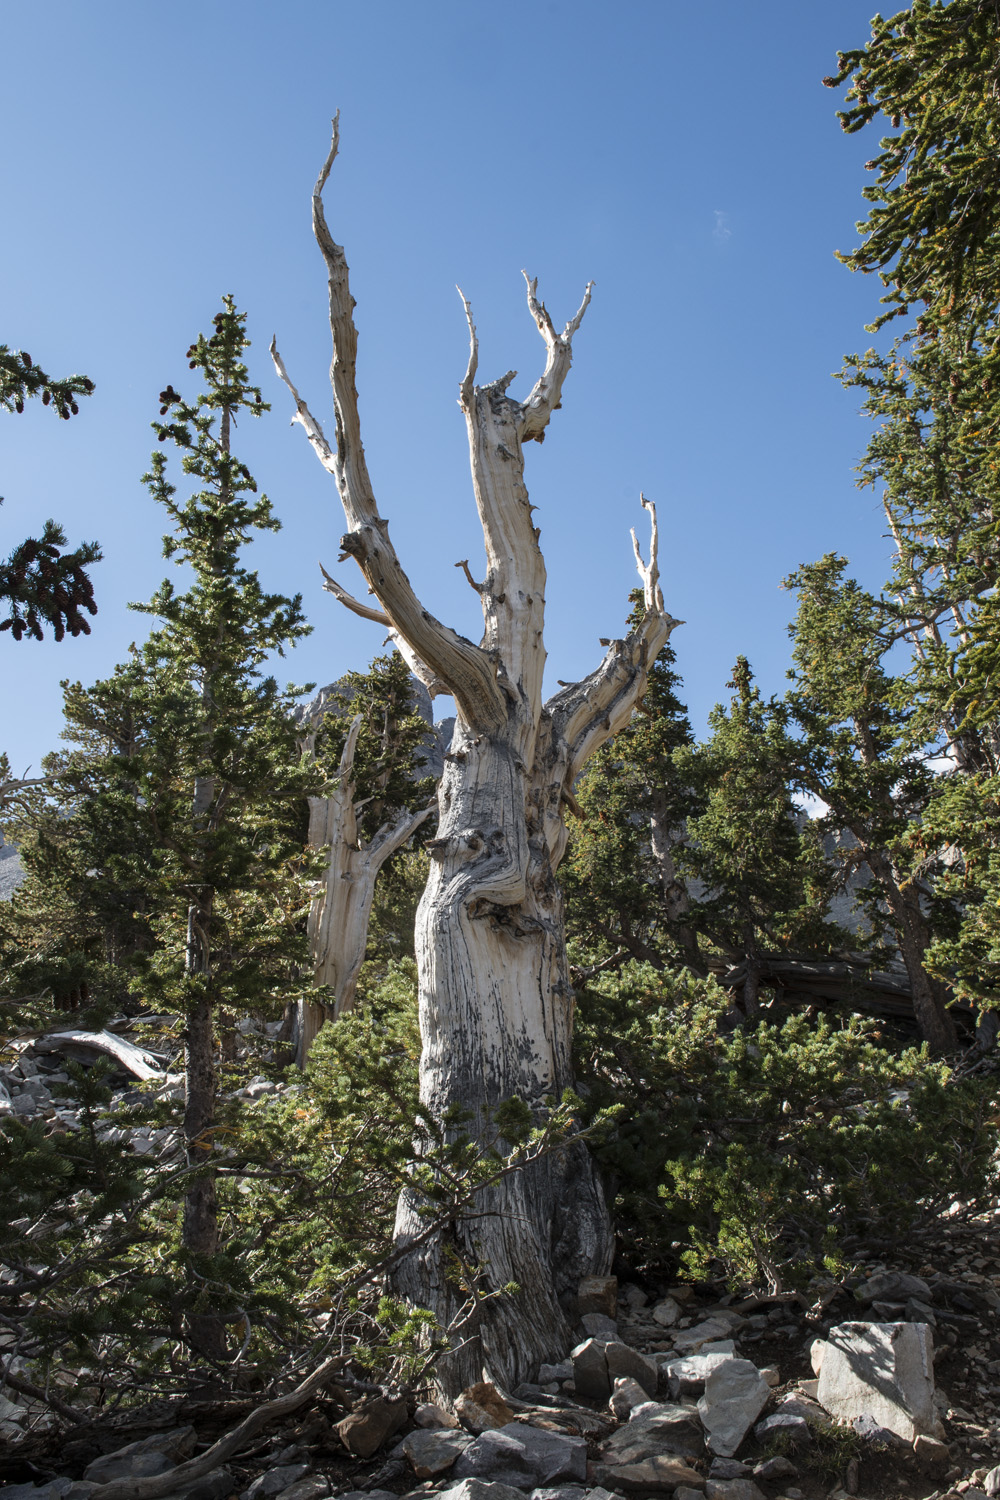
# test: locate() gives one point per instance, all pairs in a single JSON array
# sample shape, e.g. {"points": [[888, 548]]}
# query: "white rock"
{"points": [[884, 1371], [735, 1395], [690, 1374], [667, 1312], [10, 1411], [626, 1395], [702, 1333]]}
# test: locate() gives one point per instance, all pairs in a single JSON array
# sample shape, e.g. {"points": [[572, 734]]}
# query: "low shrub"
{"points": [[768, 1149]]}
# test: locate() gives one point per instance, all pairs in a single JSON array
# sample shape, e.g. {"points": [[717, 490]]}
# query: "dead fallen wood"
{"points": [[155, 1486], [134, 1059]]}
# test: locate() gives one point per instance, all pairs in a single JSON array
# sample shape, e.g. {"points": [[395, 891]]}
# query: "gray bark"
{"points": [[342, 903], [496, 1004]]}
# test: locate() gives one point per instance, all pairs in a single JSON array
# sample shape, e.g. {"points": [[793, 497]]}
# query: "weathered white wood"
{"points": [[140, 1063], [496, 1004], [341, 906]]}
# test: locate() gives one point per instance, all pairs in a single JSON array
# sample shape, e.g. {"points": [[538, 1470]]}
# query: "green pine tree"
{"points": [[39, 582]]}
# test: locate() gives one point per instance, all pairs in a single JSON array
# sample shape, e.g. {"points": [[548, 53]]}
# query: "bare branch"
{"points": [[467, 386], [303, 415], [588, 713], [464, 565], [354, 605], [653, 594], [447, 660], [420, 669], [544, 398], [392, 836], [153, 1486]]}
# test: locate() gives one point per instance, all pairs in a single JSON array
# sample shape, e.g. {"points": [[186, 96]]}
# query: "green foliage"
{"points": [[763, 879], [42, 584], [962, 822], [933, 234], [391, 749], [769, 1150], [620, 877]]}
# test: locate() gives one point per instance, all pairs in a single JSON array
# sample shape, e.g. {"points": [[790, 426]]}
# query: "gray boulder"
{"points": [[140, 1460], [733, 1489], [687, 1376], [523, 1457], [432, 1451], [735, 1395], [663, 1428], [892, 1286], [313, 1487], [627, 1363], [599, 1326], [274, 1481], [560, 1492], [217, 1484], [881, 1371], [590, 1371], [475, 1489], [786, 1425]]}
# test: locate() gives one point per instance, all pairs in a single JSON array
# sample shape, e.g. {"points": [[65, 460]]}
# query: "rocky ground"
{"points": [[679, 1393], [883, 1386]]}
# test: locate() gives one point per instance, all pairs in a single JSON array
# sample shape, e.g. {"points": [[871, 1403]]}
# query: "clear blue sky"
{"points": [[685, 157]]}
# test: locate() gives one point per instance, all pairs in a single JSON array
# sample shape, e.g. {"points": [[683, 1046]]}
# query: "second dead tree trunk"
{"points": [[342, 903], [496, 1004]]}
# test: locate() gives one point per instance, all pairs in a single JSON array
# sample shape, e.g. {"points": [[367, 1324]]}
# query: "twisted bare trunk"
{"points": [[496, 1005], [342, 904]]}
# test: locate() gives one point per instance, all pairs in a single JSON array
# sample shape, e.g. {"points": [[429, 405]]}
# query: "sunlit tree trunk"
{"points": [[496, 1005]]}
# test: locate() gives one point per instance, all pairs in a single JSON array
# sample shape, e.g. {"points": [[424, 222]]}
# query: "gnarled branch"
{"points": [[544, 398], [448, 659], [591, 711]]}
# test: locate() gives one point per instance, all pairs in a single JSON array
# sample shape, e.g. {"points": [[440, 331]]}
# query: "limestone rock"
{"points": [[429, 1414], [688, 1340], [477, 1489], [561, 1492], [599, 1326], [364, 1431], [784, 1424], [728, 1468], [775, 1468], [523, 1457], [217, 1484], [991, 1484], [688, 1375], [313, 1487], [663, 1472], [149, 1456], [626, 1396], [434, 1451], [883, 1371], [894, 1286], [733, 1489], [590, 1371], [932, 1450], [735, 1395], [666, 1312], [598, 1294], [375, 1495], [560, 1372], [661, 1428], [481, 1408], [623, 1361], [274, 1481]]}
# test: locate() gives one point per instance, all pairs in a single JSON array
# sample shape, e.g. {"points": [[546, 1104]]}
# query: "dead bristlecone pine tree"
{"points": [[496, 1005]]}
